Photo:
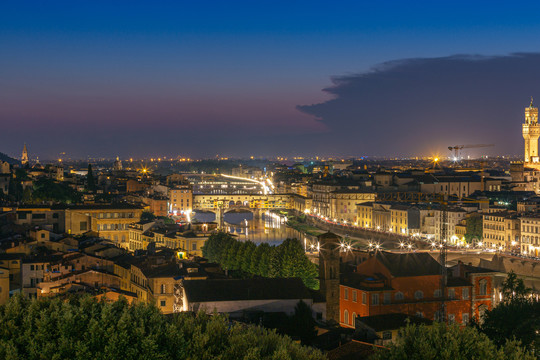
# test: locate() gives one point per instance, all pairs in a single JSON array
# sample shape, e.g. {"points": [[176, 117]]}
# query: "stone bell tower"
{"points": [[24, 157], [531, 132], [329, 259]]}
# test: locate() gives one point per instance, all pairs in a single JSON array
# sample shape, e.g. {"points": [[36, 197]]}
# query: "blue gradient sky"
{"points": [[226, 77]]}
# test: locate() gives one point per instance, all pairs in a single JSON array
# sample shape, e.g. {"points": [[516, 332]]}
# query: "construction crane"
{"points": [[458, 148]]}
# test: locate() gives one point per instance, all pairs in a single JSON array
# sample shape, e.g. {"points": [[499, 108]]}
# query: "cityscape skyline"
{"points": [[288, 80]]}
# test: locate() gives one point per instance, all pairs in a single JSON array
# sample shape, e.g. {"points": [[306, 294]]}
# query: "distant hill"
{"points": [[12, 161]]}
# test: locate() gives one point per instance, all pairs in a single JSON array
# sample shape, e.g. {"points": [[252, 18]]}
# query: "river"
{"points": [[268, 228]]}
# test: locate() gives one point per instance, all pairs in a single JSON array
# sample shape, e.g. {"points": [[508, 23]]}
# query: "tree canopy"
{"points": [[46, 189], [83, 328], [443, 342], [286, 260], [517, 317]]}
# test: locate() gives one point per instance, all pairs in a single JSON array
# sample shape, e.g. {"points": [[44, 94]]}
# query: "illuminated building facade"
{"points": [[531, 132], [502, 231], [109, 221], [181, 199]]}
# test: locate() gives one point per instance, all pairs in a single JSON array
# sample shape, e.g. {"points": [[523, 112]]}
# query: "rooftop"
{"points": [[391, 321], [409, 264], [245, 289]]}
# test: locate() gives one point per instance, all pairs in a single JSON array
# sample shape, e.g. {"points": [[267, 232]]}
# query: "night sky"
{"points": [[260, 78]]}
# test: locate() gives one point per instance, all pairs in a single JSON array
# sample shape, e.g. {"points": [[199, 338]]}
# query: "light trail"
{"points": [[261, 183]]}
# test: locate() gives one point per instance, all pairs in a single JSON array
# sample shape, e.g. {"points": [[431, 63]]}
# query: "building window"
{"points": [[418, 295], [346, 317], [83, 226], [194, 246], [346, 292], [374, 299], [451, 318], [387, 335], [483, 287], [163, 302], [465, 293], [163, 288], [354, 296], [399, 296], [353, 320], [387, 297], [419, 314], [451, 294], [437, 293], [364, 298], [465, 318]]}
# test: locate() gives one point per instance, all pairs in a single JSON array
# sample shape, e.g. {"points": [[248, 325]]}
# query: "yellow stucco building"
{"points": [[108, 221]]}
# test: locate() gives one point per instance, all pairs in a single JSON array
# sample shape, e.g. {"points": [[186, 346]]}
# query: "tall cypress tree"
{"points": [[90, 182]]}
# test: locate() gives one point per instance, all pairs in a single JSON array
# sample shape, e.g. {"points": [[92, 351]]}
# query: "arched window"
{"points": [[353, 319], [346, 317], [483, 287], [437, 293], [399, 296], [418, 295]]}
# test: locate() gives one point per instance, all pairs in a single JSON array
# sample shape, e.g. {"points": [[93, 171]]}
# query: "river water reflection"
{"points": [[269, 229]]}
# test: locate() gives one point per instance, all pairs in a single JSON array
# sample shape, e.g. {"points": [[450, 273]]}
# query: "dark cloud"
{"points": [[417, 106]]}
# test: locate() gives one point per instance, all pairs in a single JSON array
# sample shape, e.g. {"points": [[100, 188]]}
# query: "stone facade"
{"points": [[329, 259]]}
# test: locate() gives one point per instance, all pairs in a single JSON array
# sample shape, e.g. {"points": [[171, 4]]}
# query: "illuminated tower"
{"points": [[531, 132], [24, 158]]}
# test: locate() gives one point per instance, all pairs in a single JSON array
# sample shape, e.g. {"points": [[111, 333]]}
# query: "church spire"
{"points": [[531, 102], [24, 158]]}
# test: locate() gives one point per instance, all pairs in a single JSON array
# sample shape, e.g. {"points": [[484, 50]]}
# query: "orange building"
{"points": [[409, 284]]}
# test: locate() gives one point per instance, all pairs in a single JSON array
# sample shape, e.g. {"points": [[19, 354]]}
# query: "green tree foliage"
{"points": [[15, 190], [82, 328], [46, 189], [147, 216], [474, 228], [442, 342], [517, 317], [302, 324], [249, 249], [514, 289], [285, 260], [90, 181]]}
